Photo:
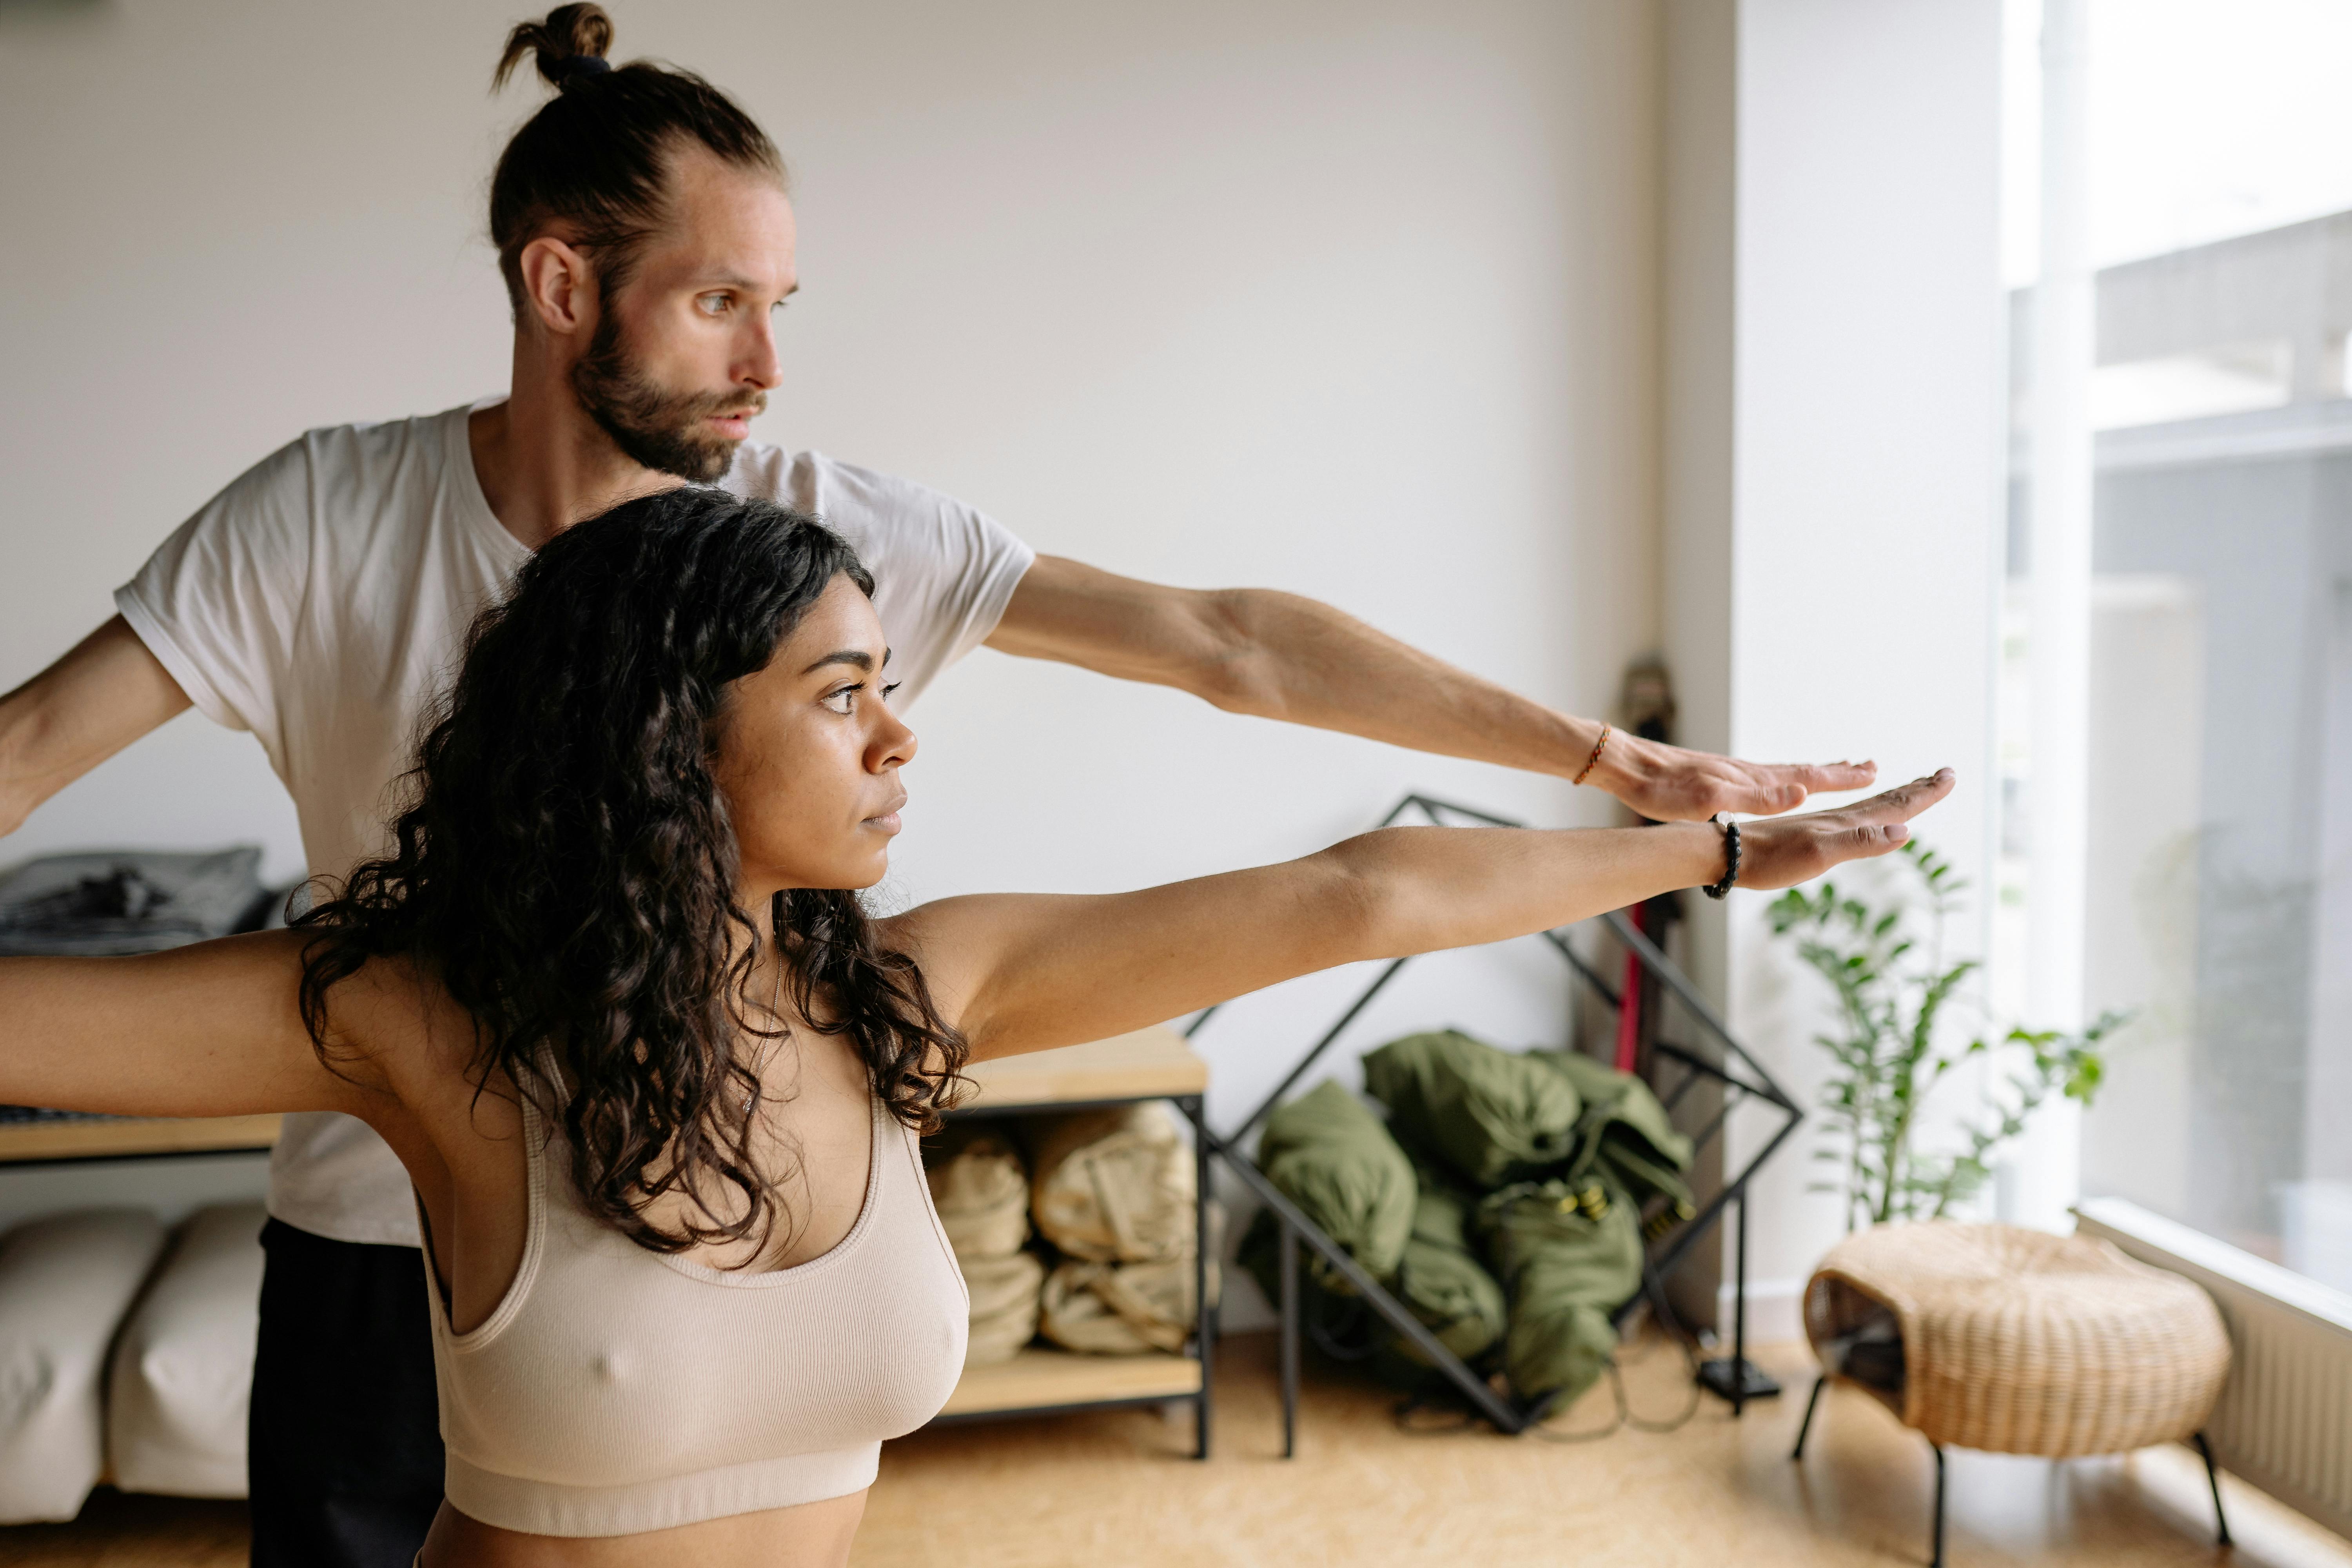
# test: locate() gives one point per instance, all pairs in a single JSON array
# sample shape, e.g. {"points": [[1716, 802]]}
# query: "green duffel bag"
{"points": [[1329, 1155], [1567, 1257], [1495, 1116], [1444, 1284], [1624, 1136]]}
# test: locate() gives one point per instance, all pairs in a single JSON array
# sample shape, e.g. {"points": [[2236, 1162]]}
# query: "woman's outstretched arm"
{"points": [[1023, 973], [211, 1029]]}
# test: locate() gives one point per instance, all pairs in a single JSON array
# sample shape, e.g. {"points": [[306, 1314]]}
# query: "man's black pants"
{"points": [[344, 1445]]}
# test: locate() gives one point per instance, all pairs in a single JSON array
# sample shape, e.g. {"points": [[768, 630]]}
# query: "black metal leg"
{"points": [[1289, 1341], [1205, 1320], [1739, 1319], [1937, 1561], [2214, 1478], [1807, 1424], [1734, 1380]]}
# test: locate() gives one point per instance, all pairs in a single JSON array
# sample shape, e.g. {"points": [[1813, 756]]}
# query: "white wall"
{"points": [[1700, 167], [2146, 749], [1356, 300], [1833, 428]]}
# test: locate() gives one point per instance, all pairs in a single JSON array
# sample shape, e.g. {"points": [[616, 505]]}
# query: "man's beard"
{"points": [[650, 424]]}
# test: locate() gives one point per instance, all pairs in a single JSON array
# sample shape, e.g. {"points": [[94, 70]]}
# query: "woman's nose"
{"points": [[893, 743]]}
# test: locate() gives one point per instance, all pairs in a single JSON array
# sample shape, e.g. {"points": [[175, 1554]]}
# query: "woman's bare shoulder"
{"points": [[391, 1014]]}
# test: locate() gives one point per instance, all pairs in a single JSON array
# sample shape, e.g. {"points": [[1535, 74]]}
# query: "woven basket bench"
{"points": [[2016, 1341]]}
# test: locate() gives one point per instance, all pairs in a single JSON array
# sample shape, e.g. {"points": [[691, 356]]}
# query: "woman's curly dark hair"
{"points": [[566, 871]]}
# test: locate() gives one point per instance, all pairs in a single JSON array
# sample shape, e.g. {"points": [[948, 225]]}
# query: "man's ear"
{"points": [[559, 286]]}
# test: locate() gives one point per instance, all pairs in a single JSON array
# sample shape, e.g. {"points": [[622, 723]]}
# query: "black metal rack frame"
{"points": [[1729, 1064]]}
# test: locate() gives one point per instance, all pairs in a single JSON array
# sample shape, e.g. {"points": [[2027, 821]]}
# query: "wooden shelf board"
{"points": [[1037, 1378], [114, 1138], [1143, 1064]]}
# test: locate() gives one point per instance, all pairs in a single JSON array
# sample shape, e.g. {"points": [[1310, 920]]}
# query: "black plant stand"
{"points": [[1724, 1062]]}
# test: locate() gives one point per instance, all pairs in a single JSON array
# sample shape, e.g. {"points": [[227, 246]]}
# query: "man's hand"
{"points": [[1668, 783]]}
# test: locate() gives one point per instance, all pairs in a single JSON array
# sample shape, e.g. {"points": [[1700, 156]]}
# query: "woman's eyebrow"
{"points": [[857, 658]]}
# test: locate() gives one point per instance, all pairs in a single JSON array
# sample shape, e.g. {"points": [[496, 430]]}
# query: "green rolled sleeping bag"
{"points": [[1442, 1280], [1495, 1116], [1445, 1285], [1328, 1152], [1567, 1257]]}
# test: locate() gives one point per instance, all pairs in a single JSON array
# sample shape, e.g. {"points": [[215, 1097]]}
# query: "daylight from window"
{"points": [[2215, 168]]}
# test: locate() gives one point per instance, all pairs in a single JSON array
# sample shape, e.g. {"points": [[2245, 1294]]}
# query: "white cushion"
{"points": [[184, 1366], [64, 1283]]}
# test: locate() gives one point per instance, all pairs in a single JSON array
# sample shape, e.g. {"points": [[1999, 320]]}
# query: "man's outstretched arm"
{"points": [[104, 695], [1278, 655]]}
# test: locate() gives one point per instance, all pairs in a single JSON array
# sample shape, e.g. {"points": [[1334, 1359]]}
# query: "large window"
{"points": [[2217, 846]]}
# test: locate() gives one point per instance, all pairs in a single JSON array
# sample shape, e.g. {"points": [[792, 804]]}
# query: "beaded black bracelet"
{"points": [[1730, 857]]}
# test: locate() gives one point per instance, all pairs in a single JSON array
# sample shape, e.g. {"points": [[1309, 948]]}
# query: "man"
{"points": [[645, 237]]}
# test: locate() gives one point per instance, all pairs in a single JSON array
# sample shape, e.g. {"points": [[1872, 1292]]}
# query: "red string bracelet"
{"points": [[1598, 746]]}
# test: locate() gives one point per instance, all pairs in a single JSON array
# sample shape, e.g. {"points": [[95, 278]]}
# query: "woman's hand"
{"points": [[1780, 852]]}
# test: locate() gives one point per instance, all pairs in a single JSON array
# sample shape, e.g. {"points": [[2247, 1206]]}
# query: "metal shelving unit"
{"points": [[1150, 1064]]}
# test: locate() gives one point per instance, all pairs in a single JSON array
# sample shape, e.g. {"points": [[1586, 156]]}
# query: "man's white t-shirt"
{"points": [[321, 601]]}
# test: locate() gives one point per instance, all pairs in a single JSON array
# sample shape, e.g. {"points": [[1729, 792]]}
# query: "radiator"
{"points": [[2284, 1420]]}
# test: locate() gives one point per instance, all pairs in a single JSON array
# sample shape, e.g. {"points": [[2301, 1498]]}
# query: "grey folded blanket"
{"points": [[129, 900]]}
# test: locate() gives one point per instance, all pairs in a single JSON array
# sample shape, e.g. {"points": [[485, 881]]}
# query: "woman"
{"points": [[657, 1078]]}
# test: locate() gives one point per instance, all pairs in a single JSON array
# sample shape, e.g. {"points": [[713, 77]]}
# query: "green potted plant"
{"points": [[1892, 987]]}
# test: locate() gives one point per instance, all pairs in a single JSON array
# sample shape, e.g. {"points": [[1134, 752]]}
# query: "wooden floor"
{"points": [[1118, 1487], [118, 1532]]}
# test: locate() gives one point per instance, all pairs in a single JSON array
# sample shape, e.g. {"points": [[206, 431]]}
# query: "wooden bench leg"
{"points": [[1937, 1561], [2214, 1478]]}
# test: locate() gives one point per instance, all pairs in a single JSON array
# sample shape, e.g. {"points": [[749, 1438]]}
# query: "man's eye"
{"points": [[712, 304]]}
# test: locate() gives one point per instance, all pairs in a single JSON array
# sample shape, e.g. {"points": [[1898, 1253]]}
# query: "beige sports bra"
{"points": [[615, 1389]]}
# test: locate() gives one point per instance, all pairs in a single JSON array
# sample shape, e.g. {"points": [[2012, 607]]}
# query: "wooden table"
{"points": [[1150, 1064]]}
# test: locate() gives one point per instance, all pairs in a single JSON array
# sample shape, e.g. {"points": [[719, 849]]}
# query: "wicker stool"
{"points": [[2017, 1342]]}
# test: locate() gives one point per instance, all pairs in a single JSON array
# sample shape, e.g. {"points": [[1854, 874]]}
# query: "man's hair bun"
{"points": [[592, 163], [560, 45]]}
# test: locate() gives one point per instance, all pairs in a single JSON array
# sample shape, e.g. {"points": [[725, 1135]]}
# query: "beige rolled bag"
{"points": [[1113, 1190], [981, 1192]]}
